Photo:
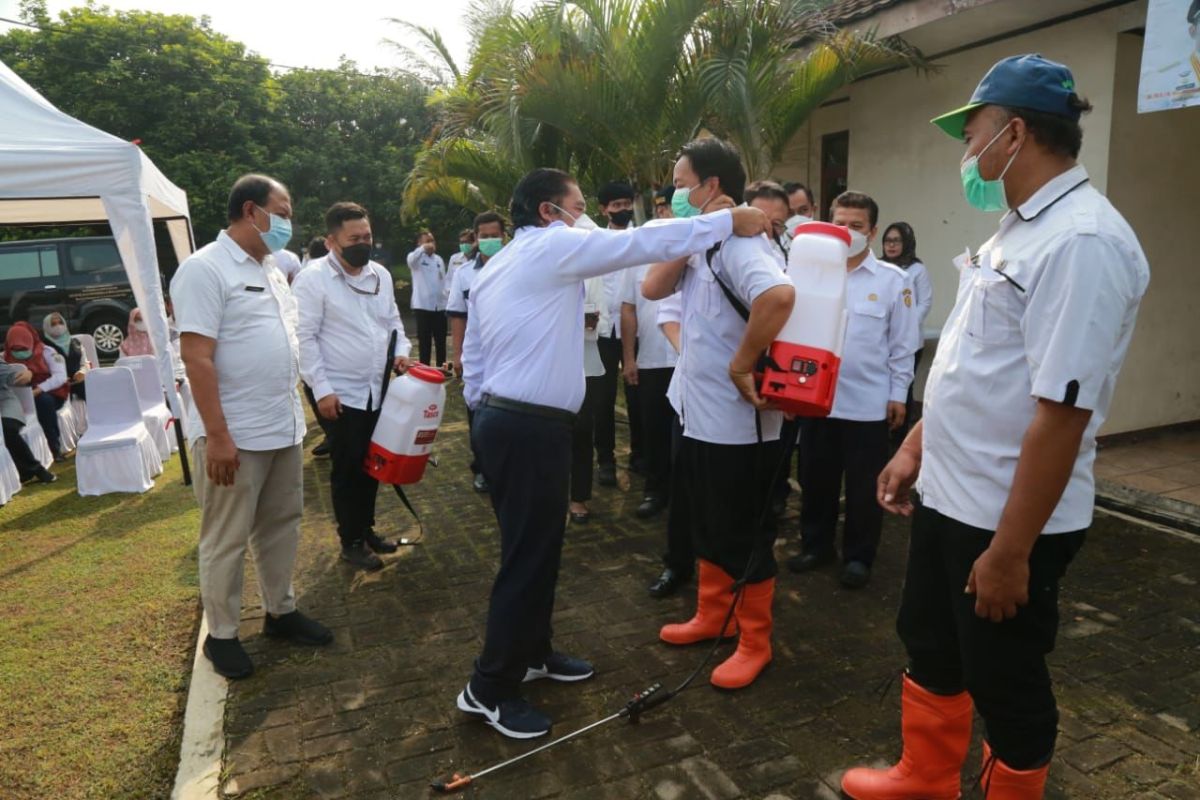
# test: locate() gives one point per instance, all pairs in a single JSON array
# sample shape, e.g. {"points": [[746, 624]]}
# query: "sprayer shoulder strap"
{"points": [[737, 304]]}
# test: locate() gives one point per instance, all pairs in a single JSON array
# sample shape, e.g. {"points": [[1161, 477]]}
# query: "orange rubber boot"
{"points": [[937, 733], [754, 640], [1002, 782], [714, 593]]}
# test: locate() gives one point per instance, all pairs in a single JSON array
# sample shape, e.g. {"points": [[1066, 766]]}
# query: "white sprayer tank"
{"points": [[408, 424]]}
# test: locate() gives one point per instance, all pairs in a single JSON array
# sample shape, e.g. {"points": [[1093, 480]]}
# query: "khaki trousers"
{"points": [[261, 509]]}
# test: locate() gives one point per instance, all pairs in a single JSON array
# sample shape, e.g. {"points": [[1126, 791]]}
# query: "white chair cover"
{"points": [[32, 433], [66, 427], [153, 405], [10, 478], [89, 348], [117, 453], [79, 412]]}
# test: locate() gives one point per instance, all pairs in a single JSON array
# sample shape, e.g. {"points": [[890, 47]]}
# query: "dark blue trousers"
{"points": [[526, 460]]}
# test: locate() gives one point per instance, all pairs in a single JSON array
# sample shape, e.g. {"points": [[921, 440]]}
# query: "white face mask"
{"points": [[57, 330], [583, 221], [139, 326], [858, 243]]}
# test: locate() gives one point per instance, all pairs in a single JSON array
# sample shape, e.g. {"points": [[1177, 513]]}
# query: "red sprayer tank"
{"points": [[408, 424], [801, 376]]}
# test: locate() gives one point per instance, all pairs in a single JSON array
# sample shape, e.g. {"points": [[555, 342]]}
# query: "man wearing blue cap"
{"points": [[1002, 460]]}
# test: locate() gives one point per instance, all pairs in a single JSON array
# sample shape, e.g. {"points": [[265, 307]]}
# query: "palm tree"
{"points": [[612, 88]]}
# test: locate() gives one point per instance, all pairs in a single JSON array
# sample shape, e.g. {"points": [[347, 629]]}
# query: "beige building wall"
{"points": [[911, 168], [1154, 180]]}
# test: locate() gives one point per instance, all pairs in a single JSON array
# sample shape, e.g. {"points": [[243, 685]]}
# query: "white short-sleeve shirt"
{"points": [[222, 293], [428, 281], [710, 407], [1046, 309], [654, 351]]}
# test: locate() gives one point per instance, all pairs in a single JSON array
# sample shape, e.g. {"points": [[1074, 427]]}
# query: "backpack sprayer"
{"points": [[407, 427], [809, 345]]}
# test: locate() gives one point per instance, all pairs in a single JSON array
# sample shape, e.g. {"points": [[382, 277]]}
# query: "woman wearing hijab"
{"points": [[23, 346], [900, 248], [56, 334], [137, 341]]}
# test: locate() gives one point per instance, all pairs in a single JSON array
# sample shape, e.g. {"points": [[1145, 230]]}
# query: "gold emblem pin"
{"points": [[908, 300], [872, 296]]}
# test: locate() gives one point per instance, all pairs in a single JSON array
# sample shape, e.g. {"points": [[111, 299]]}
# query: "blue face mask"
{"points": [[278, 234], [681, 203]]}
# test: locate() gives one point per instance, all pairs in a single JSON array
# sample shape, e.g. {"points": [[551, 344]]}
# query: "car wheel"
{"points": [[109, 334]]}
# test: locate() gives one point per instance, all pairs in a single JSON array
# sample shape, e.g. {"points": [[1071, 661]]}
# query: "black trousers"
{"points": [[582, 438], [657, 420], [829, 449], [354, 491], [789, 431], [1002, 665], [605, 410], [431, 335], [474, 465], [326, 425], [727, 487], [22, 456], [680, 555], [526, 461], [47, 406]]}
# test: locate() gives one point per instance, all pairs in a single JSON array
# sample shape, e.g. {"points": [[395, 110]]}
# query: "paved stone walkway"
{"points": [[373, 716]]}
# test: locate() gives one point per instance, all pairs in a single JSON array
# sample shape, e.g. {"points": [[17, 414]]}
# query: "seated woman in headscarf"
{"points": [[137, 341], [56, 334], [12, 420], [23, 346]]}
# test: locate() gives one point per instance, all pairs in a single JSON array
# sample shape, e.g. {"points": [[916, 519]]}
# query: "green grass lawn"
{"points": [[98, 616]]}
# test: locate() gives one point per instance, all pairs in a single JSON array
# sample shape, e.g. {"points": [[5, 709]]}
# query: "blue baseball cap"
{"points": [[1027, 81]]}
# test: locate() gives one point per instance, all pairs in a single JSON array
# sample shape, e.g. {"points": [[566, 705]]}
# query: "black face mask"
{"points": [[621, 218], [356, 255]]}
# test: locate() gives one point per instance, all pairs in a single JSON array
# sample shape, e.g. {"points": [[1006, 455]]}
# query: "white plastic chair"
{"points": [[152, 402], [117, 454], [10, 477], [32, 433], [67, 436]]}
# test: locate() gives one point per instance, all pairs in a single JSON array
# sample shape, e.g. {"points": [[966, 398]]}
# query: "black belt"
{"points": [[532, 409]]}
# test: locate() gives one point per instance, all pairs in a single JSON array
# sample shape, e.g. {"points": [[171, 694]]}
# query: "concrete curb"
{"points": [[199, 774], [1147, 506]]}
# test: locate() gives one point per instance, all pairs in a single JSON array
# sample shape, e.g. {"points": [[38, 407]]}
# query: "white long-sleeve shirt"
{"points": [[428, 280], [525, 336], [344, 334], [882, 334], [58, 370]]}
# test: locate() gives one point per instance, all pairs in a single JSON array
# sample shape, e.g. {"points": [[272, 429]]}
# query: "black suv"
{"points": [[81, 278]]}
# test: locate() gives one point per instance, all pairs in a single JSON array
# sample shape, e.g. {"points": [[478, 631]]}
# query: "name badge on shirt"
{"points": [[256, 289]]}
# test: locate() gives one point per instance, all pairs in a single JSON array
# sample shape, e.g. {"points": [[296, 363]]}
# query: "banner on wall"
{"points": [[1170, 56]]}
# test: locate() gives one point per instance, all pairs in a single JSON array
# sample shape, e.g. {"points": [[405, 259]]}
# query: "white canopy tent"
{"points": [[55, 169]]}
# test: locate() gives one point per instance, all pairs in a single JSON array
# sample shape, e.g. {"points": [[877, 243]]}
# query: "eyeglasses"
{"points": [[893, 241]]}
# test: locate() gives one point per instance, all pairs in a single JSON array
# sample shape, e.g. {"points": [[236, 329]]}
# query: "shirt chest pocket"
{"points": [[708, 295], [994, 312]]}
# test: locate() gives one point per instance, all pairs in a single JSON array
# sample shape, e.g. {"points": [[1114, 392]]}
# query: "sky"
{"points": [[315, 38]]}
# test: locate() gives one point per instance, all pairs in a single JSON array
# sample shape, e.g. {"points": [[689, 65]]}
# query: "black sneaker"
{"points": [[297, 628], [516, 719], [561, 667], [44, 475], [606, 475], [481, 485], [855, 575], [651, 505], [807, 562], [322, 449], [379, 545], [228, 658], [358, 555]]}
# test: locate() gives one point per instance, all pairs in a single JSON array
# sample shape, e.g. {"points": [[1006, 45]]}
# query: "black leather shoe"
{"points": [[322, 449], [360, 556], [606, 475], [855, 575], [807, 562], [379, 545], [637, 465], [297, 628], [480, 484], [581, 517], [45, 476], [228, 658], [651, 506], [666, 584]]}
